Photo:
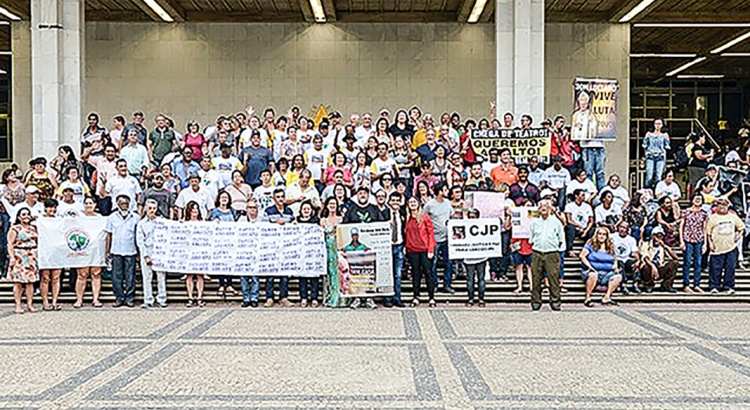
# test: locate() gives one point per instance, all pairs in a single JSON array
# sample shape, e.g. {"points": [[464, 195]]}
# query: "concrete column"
{"points": [[57, 29], [519, 29]]}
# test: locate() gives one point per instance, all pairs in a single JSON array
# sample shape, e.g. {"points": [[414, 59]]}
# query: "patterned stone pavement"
{"points": [[506, 357]]}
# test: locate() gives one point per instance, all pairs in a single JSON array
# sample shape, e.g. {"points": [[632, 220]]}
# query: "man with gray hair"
{"points": [[547, 240], [145, 240]]}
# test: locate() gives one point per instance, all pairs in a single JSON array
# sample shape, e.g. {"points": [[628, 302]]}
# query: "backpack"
{"points": [[683, 155]]}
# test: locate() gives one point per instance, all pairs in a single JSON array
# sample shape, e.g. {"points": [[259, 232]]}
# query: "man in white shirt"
{"points": [[226, 164], [626, 253], [382, 165], [300, 191], [557, 179], [580, 218], [31, 202], [193, 193], [263, 194], [68, 206], [210, 179], [363, 132], [123, 184], [492, 162]]}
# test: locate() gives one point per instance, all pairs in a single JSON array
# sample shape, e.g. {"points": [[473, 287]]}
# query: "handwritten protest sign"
{"points": [[489, 204]]}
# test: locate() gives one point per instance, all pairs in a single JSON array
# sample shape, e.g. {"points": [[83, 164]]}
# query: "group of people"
{"points": [[409, 169]]}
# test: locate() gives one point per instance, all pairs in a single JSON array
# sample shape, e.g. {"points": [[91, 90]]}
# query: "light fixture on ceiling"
{"points": [[159, 10], [6, 53], [700, 76], [3, 72], [685, 66], [5, 12], [735, 54], [317, 8], [636, 10], [691, 25], [731, 43], [664, 55], [476, 11]]}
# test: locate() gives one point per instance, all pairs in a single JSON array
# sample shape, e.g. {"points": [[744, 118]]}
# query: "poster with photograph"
{"points": [[489, 204], [594, 109], [367, 241], [520, 221]]}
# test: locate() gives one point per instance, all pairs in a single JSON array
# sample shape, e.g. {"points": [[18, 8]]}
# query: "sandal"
{"points": [[97, 304], [610, 302], [18, 312], [432, 303], [56, 308], [189, 303], [220, 292], [415, 303], [588, 303], [518, 291], [200, 303], [77, 305], [46, 308]]}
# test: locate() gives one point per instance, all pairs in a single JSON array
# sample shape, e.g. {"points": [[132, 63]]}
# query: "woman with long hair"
{"points": [[361, 171], [600, 267], [50, 277], [330, 217], [224, 213], [65, 159], [668, 217], [239, 193], [371, 149], [693, 243], [381, 133], [342, 197], [193, 214], [22, 249], [423, 193], [420, 243], [338, 162], [402, 126], [12, 192], [195, 140], [636, 215], [308, 287], [298, 165], [89, 210]]}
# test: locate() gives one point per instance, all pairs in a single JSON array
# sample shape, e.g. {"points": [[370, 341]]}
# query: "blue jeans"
{"points": [[398, 265], [309, 288], [283, 287], [725, 263], [123, 278], [250, 288], [594, 160], [475, 272], [441, 250], [693, 258], [654, 170]]}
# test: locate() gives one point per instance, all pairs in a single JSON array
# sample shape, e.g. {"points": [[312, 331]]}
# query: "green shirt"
{"points": [[547, 235], [162, 143]]}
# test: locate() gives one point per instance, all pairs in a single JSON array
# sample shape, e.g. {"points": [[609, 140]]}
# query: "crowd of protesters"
{"points": [[406, 168]]}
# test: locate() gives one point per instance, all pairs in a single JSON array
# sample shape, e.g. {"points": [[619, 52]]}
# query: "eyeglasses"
{"points": [[252, 207]]}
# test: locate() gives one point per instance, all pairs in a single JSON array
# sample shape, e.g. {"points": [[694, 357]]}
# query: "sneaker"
{"points": [[286, 303], [730, 292], [687, 289], [697, 289], [481, 304], [563, 289], [118, 304], [162, 305], [636, 289], [303, 303], [714, 291], [130, 304], [245, 304], [399, 304], [388, 304], [370, 304], [314, 303], [625, 290], [449, 289], [469, 304], [254, 303], [269, 303], [147, 306], [356, 303]]}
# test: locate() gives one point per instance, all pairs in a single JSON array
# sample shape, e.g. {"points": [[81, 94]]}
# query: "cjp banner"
{"points": [[522, 143], [365, 259], [71, 242], [239, 249], [474, 238], [594, 109]]}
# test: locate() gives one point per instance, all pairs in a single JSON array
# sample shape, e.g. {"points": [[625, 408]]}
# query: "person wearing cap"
{"points": [[658, 261], [68, 206], [724, 231], [137, 125], [349, 150], [361, 210], [328, 137], [194, 193], [120, 250], [506, 172], [557, 179], [225, 164], [158, 193], [123, 184], [31, 202], [547, 240], [41, 178], [255, 158]]}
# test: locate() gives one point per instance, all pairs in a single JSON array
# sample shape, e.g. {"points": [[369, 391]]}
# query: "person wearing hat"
{"points": [[194, 193], [41, 178], [557, 179], [68, 206], [225, 164], [658, 261], [724, 231], [349, 150], [159, 194], [30, 202], [137, 125]]}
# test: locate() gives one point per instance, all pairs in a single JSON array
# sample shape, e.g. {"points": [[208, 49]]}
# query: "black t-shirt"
{"points": [[407, 132], [363, 214], [700, 163]]}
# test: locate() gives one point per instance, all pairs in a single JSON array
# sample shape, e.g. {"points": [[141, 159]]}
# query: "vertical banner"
{"points": [[71, 242], [594, 109], [365, 249], [522, 143], [474, 238], [489, 204], [520, 221]]}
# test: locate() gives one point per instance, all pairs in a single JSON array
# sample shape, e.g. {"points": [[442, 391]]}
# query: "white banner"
{"points": [[474, 238], [239, 249], [520, 220], [71, 242], [361, 238]]}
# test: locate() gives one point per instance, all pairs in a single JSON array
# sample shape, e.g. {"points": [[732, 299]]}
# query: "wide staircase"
{"points": [[496, 291]]}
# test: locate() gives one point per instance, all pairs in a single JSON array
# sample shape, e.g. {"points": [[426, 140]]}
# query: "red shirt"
{"points": [[469, 156], [419, 236], [525, 246]]}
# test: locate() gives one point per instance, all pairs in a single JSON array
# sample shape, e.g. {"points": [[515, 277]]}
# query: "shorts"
{"points": [[518, 259], [603, 277], [695, 174]]}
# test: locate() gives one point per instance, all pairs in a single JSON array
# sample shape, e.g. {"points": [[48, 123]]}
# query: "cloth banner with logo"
{"points": [[365, 259], [594, 109], [474, 238], [523, 144], [71, 242], [239, 249]]}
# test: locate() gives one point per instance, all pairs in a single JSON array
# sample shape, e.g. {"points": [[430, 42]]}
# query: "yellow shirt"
{"points": [[420, 138], [722, 229]]}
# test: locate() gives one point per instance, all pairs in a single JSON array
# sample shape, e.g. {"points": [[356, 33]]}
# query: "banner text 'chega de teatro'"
{"points": [[522, 143]]}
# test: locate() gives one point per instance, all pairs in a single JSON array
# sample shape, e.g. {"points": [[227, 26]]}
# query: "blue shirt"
{"points": [[144, 236], [183, 171], [123, 233], [256, 160], [217, 214], [656, 144], [272, 214], [599, 260]]}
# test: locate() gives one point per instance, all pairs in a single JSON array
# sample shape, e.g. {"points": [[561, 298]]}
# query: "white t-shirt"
{"points": [[65, 209], [587, 186], [488, 166], [556, 179], [201, 198], [579, 213], [127, 186], [624, 247], [601, 214], [316, 162], [211, 183], [225, 167], [79, 190], [619, 196], [673, 190], [264, 196], [380, 167]]}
